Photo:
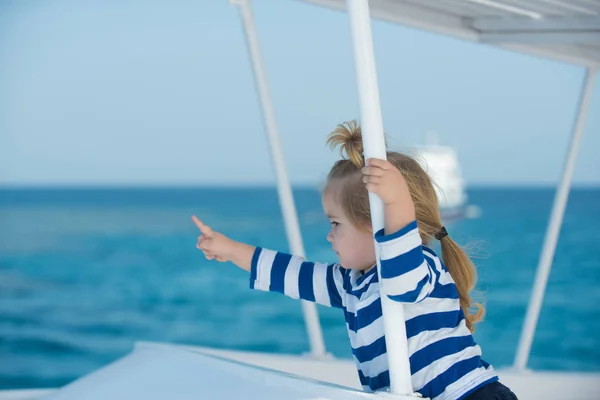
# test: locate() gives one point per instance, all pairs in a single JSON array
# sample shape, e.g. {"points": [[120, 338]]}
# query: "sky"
{"points": [[143, 93]]}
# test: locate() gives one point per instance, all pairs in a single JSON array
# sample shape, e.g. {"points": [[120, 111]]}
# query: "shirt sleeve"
{"points": [[406, 276], [297, 278]]}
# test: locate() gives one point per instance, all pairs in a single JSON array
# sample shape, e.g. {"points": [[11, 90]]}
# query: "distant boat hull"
{"points": [[452, 214], [467, 211]]}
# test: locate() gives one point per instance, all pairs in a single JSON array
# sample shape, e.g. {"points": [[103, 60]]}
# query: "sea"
{"points": [[87, 272]]}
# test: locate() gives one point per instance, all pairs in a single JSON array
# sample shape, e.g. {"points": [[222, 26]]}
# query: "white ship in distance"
{"points": [[442, 164]]}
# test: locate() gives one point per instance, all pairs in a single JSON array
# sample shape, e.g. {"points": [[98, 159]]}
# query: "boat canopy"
{"points": [[564, 30]]}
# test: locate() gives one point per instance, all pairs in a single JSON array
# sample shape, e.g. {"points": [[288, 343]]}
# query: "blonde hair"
{"points": [[354, 200]]}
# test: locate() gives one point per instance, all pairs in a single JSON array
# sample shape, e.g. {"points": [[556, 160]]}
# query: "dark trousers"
{"points": [[492, 391]]}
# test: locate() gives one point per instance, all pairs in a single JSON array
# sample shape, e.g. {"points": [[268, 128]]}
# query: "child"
{"points": [[445, 362]]}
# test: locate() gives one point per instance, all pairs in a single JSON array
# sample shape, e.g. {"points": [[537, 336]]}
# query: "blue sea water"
{"points": [[85, 273]]}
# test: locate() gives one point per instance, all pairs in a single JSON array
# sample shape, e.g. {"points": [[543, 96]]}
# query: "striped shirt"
{"points": [[445, 362]]}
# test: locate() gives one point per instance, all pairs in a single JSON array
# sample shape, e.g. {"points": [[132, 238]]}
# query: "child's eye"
{"points": [[334, 223]]}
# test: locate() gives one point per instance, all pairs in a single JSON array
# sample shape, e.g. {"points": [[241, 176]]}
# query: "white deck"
{"points": [[527, 386]]}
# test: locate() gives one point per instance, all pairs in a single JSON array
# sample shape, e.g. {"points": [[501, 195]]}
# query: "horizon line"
{"points": [[114, 186]]}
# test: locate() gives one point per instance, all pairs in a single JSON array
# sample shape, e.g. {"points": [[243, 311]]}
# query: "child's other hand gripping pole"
{"points": [[386, 181], [219, 247]]}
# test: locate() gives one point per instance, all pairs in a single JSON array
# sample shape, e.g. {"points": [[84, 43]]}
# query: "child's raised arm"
{"points": [[276, 272], [406, 275]]}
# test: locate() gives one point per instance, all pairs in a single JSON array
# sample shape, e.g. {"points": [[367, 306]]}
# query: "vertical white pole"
{"points": [[374, 146], [553, 230], [284, 190]]}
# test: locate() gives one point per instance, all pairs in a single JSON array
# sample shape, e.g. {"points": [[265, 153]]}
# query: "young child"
{"points": [[444, 360]]}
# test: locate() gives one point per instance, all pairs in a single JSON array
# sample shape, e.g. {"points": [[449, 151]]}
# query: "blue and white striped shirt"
{"points": [[445, 362]]}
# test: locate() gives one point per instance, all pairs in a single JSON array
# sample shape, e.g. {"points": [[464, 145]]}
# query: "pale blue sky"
{"points": [[161, 93]]}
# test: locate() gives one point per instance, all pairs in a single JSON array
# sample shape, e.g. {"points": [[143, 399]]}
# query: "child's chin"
{"points": [[349, 265], [353, 267]]}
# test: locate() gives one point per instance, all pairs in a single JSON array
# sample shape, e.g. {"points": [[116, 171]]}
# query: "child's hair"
{"points": [[354, 200]]}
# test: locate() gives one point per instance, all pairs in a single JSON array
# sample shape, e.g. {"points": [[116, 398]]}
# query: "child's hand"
{"points": [[383, 178], [213, 244]]}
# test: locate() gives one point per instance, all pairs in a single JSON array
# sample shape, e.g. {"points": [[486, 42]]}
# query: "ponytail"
{"points": [[348, 136], [463, 273]]}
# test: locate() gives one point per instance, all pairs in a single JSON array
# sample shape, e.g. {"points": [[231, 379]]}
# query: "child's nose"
{"points": [[330, 237]]}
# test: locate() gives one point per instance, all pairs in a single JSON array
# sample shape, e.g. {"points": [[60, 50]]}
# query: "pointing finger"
{"points": [[205, 229]]}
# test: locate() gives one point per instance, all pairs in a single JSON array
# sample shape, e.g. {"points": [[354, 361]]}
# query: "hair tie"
{"points": [[441, 234]]}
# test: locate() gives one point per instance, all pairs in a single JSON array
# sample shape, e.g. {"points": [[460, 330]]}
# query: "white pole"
{"points": [[284, 189], [374, 146], [553, 230]]}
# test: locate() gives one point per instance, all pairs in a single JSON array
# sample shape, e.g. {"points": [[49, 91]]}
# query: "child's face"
{"points": [[354, 247]]}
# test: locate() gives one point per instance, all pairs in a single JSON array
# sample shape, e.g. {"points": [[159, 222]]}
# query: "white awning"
{"points": [[565, 30]]}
